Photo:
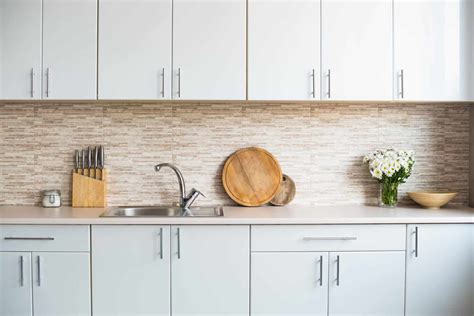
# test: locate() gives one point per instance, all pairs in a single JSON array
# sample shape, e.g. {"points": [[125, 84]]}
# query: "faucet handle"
{"points": [[192, 196]]}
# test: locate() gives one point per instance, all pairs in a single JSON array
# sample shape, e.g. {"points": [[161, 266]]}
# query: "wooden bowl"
{"points": [[432, 200]]}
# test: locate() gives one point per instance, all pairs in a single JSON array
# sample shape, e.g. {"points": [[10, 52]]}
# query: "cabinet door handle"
{"points": [[329, 84], [179, 82], [32, 82], [28, 238], [309, 238], [415, 251], [402, 84], [313, 92], [178, 234], [48, 74], [22, 271], [337, 270], [163, 82], [39, 270], [320, 271], [161, 243]]}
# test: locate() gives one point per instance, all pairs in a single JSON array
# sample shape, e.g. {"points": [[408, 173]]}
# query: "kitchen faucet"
{"points": [[185, 200]]}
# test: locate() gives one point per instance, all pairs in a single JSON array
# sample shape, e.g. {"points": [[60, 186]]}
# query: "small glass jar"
{"points": [[51, 198]]}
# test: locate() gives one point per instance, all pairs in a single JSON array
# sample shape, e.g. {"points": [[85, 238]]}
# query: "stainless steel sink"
{"points": [[164, 211]]}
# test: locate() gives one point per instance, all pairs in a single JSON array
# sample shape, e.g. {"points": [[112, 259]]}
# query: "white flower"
{"points": [[386, 162]]}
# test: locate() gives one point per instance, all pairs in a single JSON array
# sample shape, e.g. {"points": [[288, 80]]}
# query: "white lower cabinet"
{"points": [[61, 284], [131, 270], [210, 270], [440, 270], [206, 271], [15, 286], [328, 270], [289, 283], [367, 283], [45, 270]]}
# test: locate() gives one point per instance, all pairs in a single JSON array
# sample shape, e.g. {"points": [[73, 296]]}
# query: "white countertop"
{"points": [[292, 214]]}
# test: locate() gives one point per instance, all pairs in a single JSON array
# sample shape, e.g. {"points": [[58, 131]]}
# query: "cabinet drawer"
{"points": [[328, 237], [44, 238]]}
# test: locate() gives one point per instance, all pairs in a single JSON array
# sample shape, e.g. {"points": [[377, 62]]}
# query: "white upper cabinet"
{"points": [[432, 50], [210, 270], [69, 49], [135, 49], [20, 49], [357, 54], [284, 50], [440, 270], [209, 49]]}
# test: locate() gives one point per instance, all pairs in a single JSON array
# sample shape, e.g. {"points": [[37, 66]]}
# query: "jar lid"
{"points": [[52, 192]]}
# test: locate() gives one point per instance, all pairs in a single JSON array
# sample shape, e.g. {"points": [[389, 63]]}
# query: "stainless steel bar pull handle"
{"points": [[337, 270], [329, 84], [178, 234], [22, 271], [163, 82], [28, 238], [179, 82], [313, 92], [32, 82], [329, 238], [402, 84], [39, 270], [161, 243], [320, 271], [48, 74], [415, 251]]}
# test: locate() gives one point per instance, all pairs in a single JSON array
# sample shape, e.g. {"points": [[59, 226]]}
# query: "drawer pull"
{"points": [[320, 271], [28, 238], [22, 271], [329, 238], [338, 260]]}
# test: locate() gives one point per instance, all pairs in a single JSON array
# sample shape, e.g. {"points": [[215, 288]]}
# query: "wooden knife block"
{"points": [[89, 192]]}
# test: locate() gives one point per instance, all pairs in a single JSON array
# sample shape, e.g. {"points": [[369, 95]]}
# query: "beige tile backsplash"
{"points": [[319, 145]]}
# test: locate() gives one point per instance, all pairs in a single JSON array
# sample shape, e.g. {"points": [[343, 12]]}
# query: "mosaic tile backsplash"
{"points": [[319, 145]]}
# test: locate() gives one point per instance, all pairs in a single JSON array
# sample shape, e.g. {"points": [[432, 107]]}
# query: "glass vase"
{"points": [[388, 194]]}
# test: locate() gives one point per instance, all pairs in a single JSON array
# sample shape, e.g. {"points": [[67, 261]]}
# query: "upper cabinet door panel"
{"points": [[431, 50], [357, 54], [20, 49], [209, 49], [69, 49], [135, 49], [283, 50]]}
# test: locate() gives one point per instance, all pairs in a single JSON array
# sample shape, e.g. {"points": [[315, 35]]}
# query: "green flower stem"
{"points": [[389, 194]]}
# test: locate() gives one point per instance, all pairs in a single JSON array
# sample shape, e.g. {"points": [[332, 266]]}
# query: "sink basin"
{"points": [[164, 211]]}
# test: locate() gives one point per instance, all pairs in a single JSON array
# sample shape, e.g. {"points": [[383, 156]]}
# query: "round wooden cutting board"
{"points": [[286, 192], [251, 176]]}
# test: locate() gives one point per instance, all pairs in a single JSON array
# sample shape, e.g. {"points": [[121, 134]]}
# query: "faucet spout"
{"points": [[182, 185]]}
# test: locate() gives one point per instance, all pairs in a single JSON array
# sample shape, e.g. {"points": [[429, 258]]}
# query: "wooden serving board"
{"points": [[286, 192], [251, 176]]}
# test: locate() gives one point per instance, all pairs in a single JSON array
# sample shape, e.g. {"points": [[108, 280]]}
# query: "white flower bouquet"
{"points": [[390, 167]]}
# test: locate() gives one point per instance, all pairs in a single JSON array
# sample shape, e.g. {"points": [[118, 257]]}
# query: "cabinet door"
{"points": [[440, 268], [210, 269], [357, 54], [283, 50], [209, 49], [20, 49], [131, 270], [289, 283], [69, 49], [367, 283], [15, 285], [431, 49], [61, 284], [135, 49]]}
